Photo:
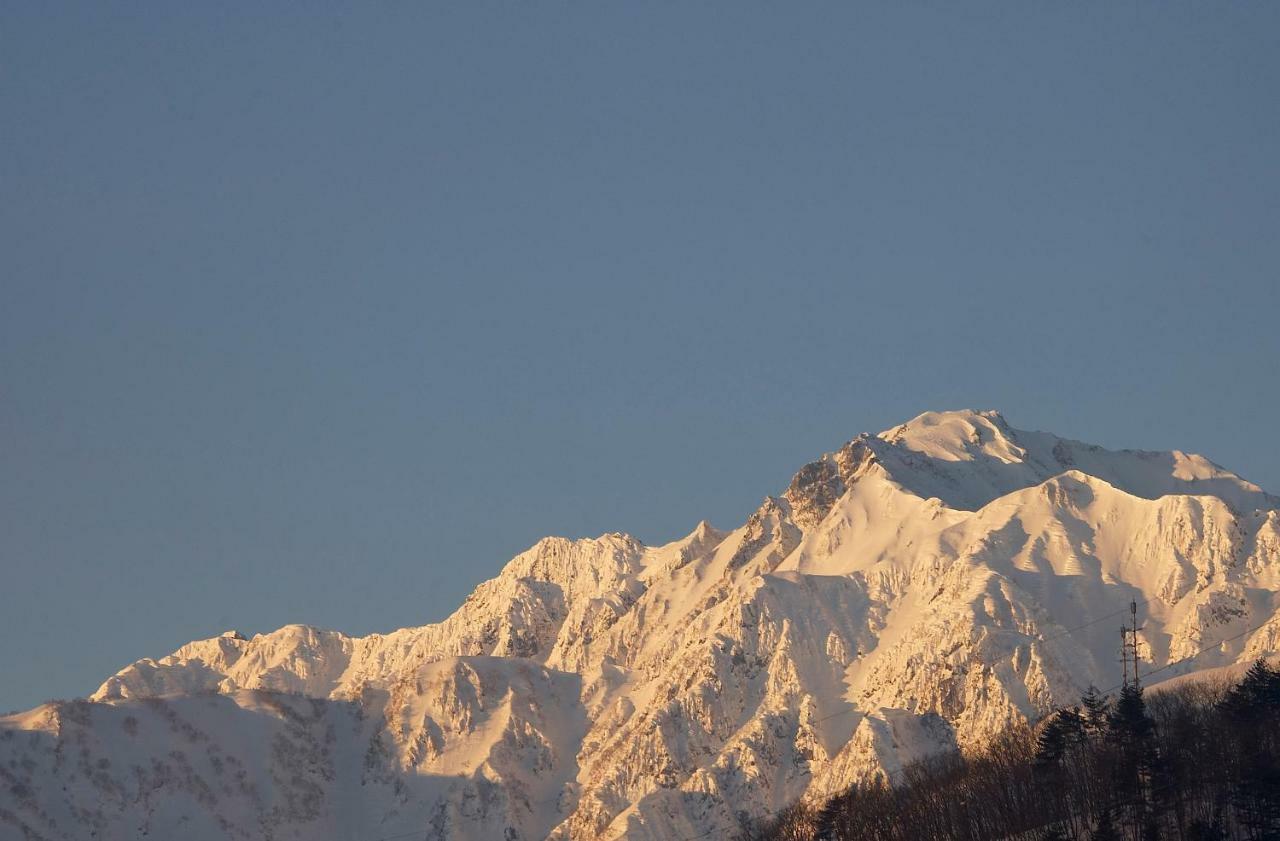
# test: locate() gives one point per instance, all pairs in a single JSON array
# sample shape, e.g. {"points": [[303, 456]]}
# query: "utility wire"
{"points": [[1057, 636], [418, 832], [1187, 659], [1259, 626], [1193, 656], [1095, 621], [1070, 631]]}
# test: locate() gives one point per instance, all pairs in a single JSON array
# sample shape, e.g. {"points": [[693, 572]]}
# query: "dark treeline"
{"points": [[1199, 762]]}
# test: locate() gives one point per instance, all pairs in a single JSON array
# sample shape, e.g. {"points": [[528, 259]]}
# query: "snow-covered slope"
{"points": [[914, 591]]}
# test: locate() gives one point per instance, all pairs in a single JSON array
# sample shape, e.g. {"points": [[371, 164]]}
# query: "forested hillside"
{"points": [[1197, 762]]}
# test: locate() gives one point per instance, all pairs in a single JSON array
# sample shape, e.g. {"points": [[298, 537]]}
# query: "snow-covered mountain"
{"points": [[914, 591]]}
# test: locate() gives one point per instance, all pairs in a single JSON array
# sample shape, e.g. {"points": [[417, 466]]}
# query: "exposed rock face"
{"points": [[912, 592]]}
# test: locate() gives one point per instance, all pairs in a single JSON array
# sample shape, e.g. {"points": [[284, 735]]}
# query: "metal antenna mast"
{"points": [[1124, 653], [1129, 645], [1133, 614]]}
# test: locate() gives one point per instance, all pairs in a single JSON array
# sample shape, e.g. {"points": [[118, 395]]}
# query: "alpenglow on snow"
{"points": [[912, 592]]}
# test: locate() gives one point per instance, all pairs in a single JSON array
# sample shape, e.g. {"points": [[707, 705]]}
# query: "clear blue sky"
{"points": [[319, 315]]}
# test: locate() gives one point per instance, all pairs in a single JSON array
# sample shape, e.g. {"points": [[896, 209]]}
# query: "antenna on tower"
{"points": [[1133, 615], [1124, 653], [1129, 645]]}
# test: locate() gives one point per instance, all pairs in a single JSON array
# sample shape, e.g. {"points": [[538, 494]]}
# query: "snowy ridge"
{"points": [[913, 591]]}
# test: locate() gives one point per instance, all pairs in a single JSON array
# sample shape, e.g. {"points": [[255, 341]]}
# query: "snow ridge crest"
{"points": [[913, 591]]}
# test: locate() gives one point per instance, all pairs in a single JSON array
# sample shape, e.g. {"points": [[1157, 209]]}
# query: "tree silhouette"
{"points": [[1196, 762]]}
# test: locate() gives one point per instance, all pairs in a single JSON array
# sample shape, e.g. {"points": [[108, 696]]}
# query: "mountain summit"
{"points": [[912, 592]]}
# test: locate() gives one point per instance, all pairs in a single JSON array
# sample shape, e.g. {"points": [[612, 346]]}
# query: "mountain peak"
{"points": [[960, 435], [704, 531], [967, 458], [911, 592]]}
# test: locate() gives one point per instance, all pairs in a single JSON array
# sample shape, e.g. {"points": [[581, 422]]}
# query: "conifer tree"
{"points": [[1096, 712], [1257, 694], [1250, 704], [1131, 732], [1063, 730], [1186, 764], [1129, 722]]}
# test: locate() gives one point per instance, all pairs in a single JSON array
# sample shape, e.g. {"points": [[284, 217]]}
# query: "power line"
{"points": [[401, 835], [1189, 657], [1070, 631], [1058, 636], [1232, 638], [1128, 608], [1114, 613], [1104, 617]]}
